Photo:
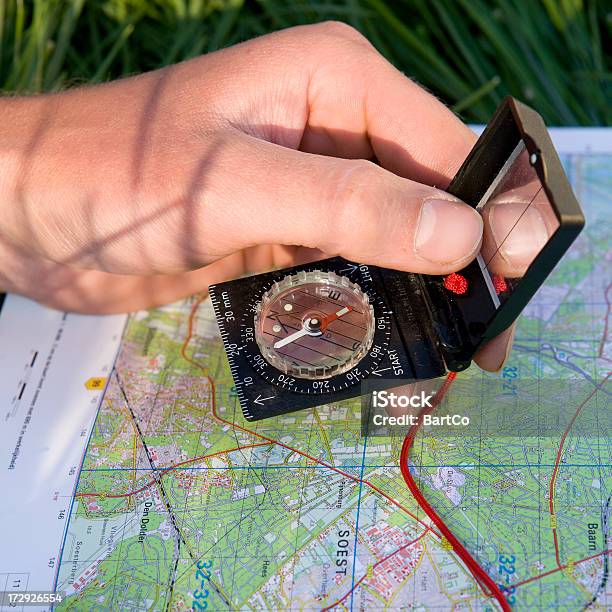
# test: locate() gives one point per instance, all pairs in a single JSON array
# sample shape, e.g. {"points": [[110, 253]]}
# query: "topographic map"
{"points": [[179, 503]]}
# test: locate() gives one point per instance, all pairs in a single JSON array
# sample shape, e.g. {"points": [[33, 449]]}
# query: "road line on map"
{"points": [[167, 504], [560, 569], [553, 479], [162, 471], [324, 464], [273, 441]]}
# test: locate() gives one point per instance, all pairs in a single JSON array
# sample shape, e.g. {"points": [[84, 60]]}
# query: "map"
{"points": [[158, 495]]}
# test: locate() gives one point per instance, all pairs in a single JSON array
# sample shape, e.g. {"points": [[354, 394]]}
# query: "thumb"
{"points": [[351, 208]]}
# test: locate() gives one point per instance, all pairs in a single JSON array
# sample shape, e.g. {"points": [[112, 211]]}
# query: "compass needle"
{"points": [[327, 320], [300, 333]]}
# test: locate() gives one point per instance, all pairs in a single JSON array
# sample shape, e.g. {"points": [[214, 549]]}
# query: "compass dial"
{"points": [[314, 325]]}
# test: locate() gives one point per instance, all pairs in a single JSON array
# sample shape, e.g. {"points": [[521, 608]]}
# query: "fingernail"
{"points": [[447, 231]]}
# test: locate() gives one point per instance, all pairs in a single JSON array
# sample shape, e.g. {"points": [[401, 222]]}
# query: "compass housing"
{"points": [[326, 319]]}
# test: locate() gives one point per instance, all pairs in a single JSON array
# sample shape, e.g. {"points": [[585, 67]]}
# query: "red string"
{"points": [[486, 582]]}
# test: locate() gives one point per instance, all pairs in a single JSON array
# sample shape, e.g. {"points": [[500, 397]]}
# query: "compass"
{"points": [[314, 325], [292, 336], [328, 331]]}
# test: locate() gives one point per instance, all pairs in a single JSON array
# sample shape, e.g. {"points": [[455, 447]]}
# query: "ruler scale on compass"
{"points": [[311, 334]]}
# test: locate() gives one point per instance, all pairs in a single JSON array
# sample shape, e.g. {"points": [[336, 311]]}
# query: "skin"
{"points": [[139, 192]]}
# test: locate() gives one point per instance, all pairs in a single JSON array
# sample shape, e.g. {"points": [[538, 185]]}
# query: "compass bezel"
{"points": [[360, 275]]}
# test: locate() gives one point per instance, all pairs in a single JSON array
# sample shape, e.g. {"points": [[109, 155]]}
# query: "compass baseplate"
{"points": [[403, 346]]}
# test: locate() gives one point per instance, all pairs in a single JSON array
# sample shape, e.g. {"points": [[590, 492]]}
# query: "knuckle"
{"points": [[340, 32], [338, 28], [352, 210]]}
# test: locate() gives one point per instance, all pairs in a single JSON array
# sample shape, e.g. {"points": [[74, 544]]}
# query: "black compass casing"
{"points": [[422, 328], [403, 347]]}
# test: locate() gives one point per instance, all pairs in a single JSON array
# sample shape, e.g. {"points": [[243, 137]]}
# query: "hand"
{"points": [[141, 191]]}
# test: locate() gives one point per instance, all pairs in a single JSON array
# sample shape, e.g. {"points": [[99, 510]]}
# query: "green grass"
{"points": [[553, 54]]}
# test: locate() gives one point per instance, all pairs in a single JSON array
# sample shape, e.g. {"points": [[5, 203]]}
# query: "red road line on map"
{"points": [[477, 571], [169, 469], [553, 479], [559, 569], [272, 440], [194, 309], [339, 601]]}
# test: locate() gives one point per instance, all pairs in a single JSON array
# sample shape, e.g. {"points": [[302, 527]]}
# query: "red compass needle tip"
{"points": [[336, 315]]}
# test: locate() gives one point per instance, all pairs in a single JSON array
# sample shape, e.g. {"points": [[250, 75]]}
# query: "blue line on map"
{"points": [[365, 445]]}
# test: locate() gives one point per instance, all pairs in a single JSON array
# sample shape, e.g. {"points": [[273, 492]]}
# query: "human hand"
{"points": [[138, 192]]}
